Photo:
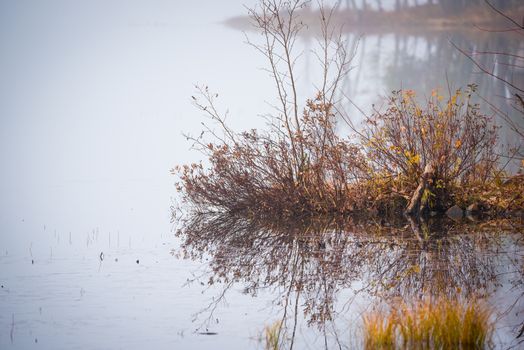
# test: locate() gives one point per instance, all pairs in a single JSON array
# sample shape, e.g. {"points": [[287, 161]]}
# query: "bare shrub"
{"points": [[263, 172], [299, 165]]}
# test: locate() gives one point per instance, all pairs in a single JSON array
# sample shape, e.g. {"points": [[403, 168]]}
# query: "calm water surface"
{"points": [[94, 98]]}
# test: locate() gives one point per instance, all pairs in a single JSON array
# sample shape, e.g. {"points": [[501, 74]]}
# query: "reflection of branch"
{"points": [[521, 26], [309, 264], [295, 320], [506, 30], [212, 306], [286, 301], [497, 53], [415, 227], [484, 69]]}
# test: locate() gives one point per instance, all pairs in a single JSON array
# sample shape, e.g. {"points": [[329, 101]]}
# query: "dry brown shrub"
{"points": [[433, 155], [299, 164], [451, 136], [265, 172]]}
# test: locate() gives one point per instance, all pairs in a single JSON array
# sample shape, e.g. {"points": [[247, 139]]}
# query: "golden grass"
{"points": [[430, 324], [379, 331], [272, 335]]}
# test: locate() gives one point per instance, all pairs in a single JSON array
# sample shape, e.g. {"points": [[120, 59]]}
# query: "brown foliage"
{"points": [[308, 170], [299, 165]]}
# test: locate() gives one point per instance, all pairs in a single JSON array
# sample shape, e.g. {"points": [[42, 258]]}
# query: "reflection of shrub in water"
{"points": [[316, 260], [441, 323]]}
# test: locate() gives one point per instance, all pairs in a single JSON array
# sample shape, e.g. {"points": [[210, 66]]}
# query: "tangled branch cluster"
{"points": [[300, 165]]}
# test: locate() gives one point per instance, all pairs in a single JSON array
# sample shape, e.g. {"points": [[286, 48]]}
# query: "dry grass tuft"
{"points": [[272, 336], [430, 324]]}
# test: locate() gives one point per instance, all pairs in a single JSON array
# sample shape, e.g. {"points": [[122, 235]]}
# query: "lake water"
{"points": [[94, 98]]}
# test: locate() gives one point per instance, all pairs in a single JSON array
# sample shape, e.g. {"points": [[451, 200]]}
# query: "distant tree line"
{"points": [[449, 6], [461, 5]]}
